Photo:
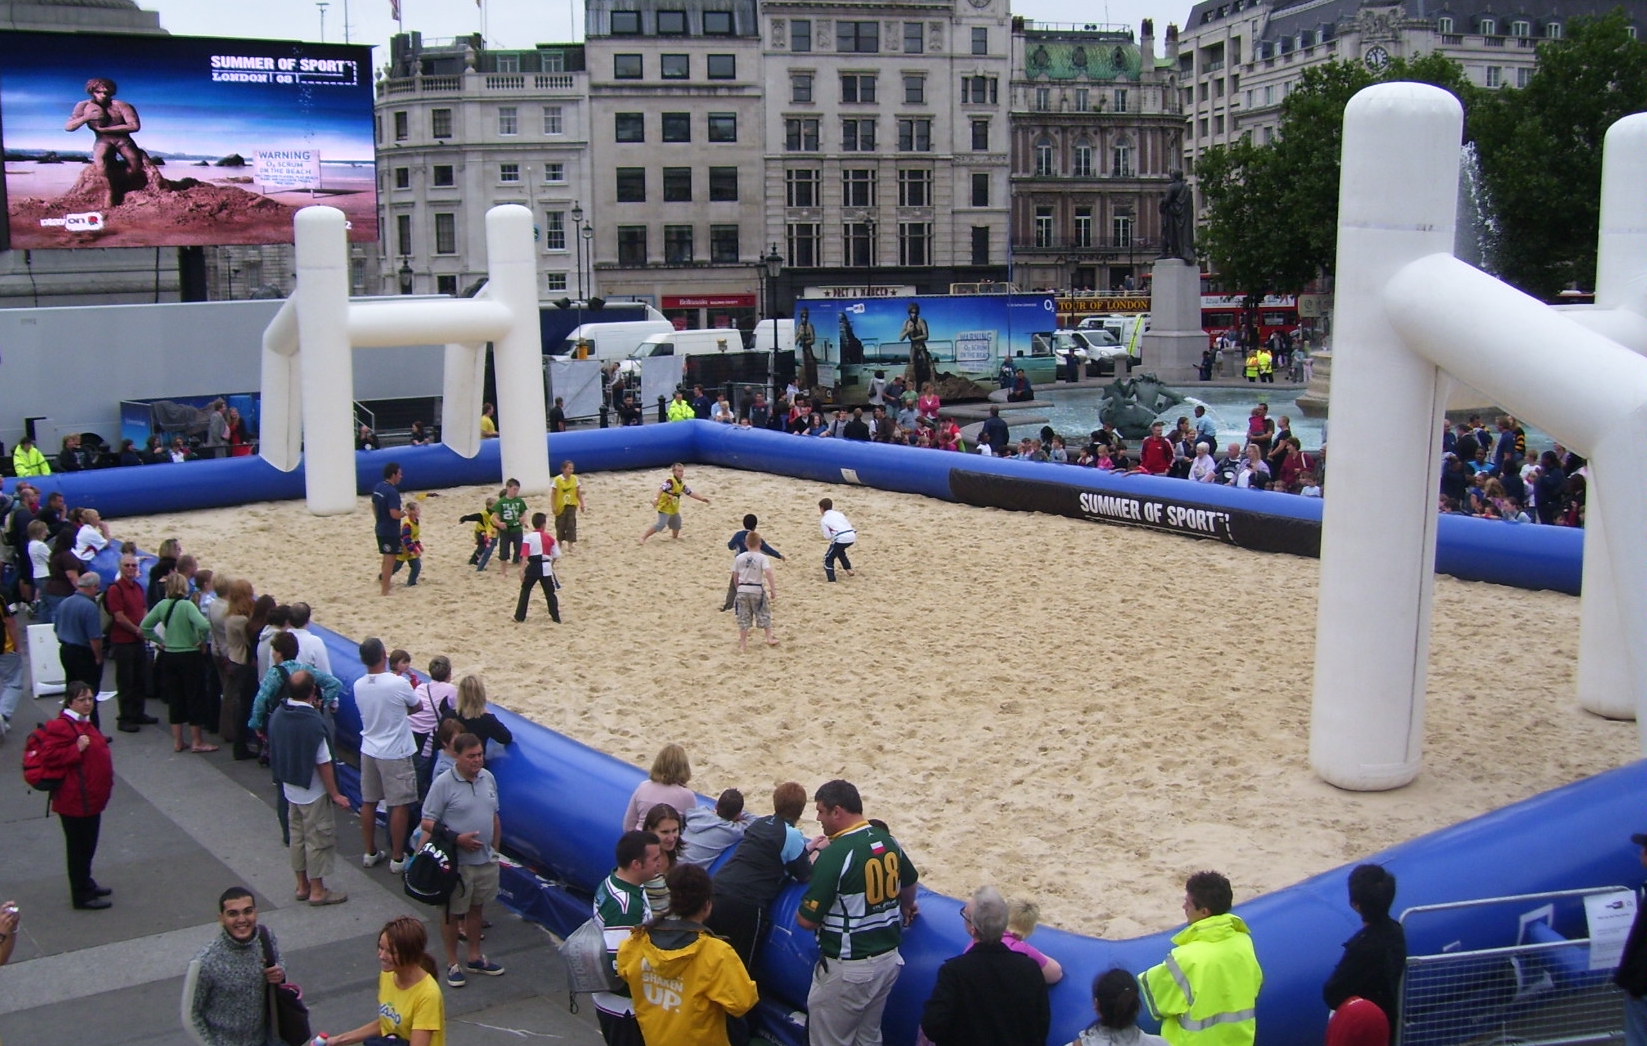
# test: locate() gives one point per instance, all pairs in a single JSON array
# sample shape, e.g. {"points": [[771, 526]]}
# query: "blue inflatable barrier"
{"points": [[563, 800]]}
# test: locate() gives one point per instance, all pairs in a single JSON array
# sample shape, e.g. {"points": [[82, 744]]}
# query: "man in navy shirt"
{"points": [[386, 514], [79, 627]]}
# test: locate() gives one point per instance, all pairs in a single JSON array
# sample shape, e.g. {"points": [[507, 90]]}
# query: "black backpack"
{"points": [[432, 873]]}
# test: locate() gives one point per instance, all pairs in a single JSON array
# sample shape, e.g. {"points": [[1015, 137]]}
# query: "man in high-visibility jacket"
{"points": [[679, 409], [1207, 990], [27, 460]]}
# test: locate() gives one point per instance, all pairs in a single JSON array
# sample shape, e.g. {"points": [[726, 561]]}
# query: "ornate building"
{"points": [[1096, 131]]}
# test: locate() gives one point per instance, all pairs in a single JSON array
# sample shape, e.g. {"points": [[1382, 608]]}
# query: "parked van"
{"points": [[611, 341], [1128, 330], [690, 343]]}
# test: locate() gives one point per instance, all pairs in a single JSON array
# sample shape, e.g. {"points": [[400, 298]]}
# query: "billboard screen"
{"points": [[966, 333], [144, 141]]}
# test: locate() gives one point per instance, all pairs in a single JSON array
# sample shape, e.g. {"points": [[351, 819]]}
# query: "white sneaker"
{"points": [[372, 860], [397, 867]]}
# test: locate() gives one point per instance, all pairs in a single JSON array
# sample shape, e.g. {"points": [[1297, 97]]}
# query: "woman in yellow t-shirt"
{"points": [[408, 995]]}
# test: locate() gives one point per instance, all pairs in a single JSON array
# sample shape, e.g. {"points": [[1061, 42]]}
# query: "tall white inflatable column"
{"points": [[326, 359], [518, 354], [1621, 283], [1397, 202]]}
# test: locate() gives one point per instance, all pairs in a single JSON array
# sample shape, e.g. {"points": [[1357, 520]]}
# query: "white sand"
{"points": [[1078, 712]]}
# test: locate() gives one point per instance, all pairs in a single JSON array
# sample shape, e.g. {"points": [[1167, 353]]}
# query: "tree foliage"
{"points": [[1541, 151], [1272, 210]]}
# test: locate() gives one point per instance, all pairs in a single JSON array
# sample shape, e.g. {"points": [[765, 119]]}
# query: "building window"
{"points": [[915, 188], [1121, 160], [857, 87], [554, 230], [509, 173], [800, 135], [677, 244], [443, 175], [1489, 27], [980, 90], [980, 136], [1043, 99], [859, 240], [671, 23], [554, 281], [914, 89], [1043, 228], [677, 127], [1083, 99], [980, 40], [914, 38], [403, 177], [803, 245], [1495, 76], [980, 189], [801, 187], [552, 61], [1043, 159], [857, 136], [1523, 77], [1082, 157], [1121, 229], [627, 67], [914, 135], [857, 187], [508, 121], [1552, 31], [554, 173], [1083, 227], [723, 243], [403, 234], [446, 285], [800, 88], [800, 34], [552, 120], [402, 128], [980, 245], [629, 127], [723, 67], [1444, 24], [631, 185], [675, 66], [1521, 27], [626, 23], [445, 234], [440, 123], [858, 37], [717, 23], [723, 127], [1121, 100], [632, 245], [677, 185], [914, 243], [723, 184]]}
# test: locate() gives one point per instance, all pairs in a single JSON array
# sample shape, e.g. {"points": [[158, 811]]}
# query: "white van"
{"points": [[691, 343], [611, 341]]}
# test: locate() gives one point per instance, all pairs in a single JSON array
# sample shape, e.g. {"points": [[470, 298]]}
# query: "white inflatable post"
{"points": [[463, 386], [1397, 202], [280, 409], [1621, 287], [518, 354], [325, 360]]}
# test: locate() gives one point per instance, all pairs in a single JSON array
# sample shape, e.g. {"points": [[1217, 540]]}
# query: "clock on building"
{"points": [[980, 3], [1376, 58]]}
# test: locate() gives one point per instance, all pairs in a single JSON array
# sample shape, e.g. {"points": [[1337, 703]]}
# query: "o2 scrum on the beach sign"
{"points": [[1138, 507]]}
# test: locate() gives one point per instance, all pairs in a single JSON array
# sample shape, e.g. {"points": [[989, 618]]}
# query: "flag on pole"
{"points": [[394, 9]]}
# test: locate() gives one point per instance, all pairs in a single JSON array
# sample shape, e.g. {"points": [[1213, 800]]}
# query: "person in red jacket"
{"points": [[77, 751], [1155, 456]]}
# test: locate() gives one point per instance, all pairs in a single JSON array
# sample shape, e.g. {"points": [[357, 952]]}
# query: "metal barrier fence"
{"points": [[1539, 992]]}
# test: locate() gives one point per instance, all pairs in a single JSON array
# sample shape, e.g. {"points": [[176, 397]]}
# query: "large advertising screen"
{"points": [[143, 141], [967, 333]]}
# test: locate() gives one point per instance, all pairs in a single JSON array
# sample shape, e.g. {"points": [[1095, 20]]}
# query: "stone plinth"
{"points": [[1173, 345]]}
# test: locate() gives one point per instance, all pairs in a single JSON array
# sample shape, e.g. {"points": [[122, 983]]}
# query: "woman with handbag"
{"points": [[409, 1005], [180, 668]]}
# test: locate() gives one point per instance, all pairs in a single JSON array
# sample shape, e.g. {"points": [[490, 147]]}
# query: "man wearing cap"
{"points": [[79, 627], [1631, 975]]}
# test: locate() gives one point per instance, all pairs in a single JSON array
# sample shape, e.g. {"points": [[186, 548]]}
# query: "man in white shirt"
{"points": [[311, 649], [384, 700]]}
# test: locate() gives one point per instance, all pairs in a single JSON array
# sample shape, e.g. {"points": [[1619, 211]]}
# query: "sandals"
{"points": [[332, 897], [203, 749]]}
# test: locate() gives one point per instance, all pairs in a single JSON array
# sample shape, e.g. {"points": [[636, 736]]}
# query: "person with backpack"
{"points": [[73, 752], [300, 752], [465, 800]]}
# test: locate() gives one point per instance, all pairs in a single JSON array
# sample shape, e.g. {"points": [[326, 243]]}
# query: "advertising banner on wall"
{"points": [[125, 141]]}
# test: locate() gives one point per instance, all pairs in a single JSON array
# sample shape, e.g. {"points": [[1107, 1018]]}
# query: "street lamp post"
{"points": [[405, 273], [587, 235], [774, 268], [577, 224]]}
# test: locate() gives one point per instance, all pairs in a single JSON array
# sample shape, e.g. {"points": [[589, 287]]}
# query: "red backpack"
{"points": [[34, 764]]}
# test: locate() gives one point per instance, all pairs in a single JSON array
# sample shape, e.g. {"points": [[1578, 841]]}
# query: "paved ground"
{"points": [[179, 830]]}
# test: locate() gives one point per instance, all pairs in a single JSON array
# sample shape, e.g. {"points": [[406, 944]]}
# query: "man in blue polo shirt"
{"points": [[79, 628]]}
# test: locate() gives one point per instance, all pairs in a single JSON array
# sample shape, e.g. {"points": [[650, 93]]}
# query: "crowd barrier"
{"points": [[562, 800]]}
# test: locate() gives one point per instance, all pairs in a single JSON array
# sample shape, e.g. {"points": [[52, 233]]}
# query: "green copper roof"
{"points": [[1090, 61]]}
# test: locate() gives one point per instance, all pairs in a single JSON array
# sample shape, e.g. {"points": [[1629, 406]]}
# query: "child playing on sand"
{"points": [[486, 535], [411, 543], [739, 545]]}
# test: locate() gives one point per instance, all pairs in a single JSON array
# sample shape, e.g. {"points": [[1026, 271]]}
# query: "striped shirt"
{"points": [[853, 896]]}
